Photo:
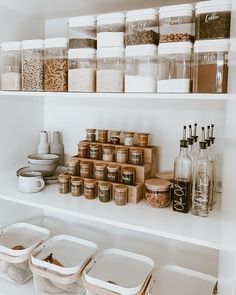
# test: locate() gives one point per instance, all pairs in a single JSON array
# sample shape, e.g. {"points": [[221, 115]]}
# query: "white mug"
{"points": [[30, 182]]}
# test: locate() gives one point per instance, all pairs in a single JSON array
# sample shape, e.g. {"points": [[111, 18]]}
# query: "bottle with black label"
{"points": [[182, 178]]}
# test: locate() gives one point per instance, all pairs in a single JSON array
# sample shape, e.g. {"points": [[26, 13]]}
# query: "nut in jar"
{"points": [[157, 193]]}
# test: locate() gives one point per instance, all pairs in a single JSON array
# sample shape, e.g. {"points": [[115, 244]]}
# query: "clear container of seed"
{"points": [[11, 66], [111, 30], [82, 32], [33, 65], [110, 69], [142, 27], [141, 68], [102, 135], [64, 183], [176, 23], [91, 134], [108, 153], [90, 189], [76, 186], [86, 169], [120, 194], [104, 192], [122, 155], [100, 171], [113, 172], [56, 65], [82, 70]]}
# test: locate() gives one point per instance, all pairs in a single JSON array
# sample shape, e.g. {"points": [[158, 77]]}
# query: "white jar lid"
{"points": [[82, 21], [111, 18], [141, 50], [110, 52], [211, 45], [142, 14], [213, 5], [176, 10], [175, 48], [82, 53], [56, 42], [7, 46], [31, 44]]}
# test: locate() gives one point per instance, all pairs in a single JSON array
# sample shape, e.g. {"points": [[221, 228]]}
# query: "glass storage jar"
{"points": [[76, 186], [73, 166], [110, 69], [108, 153], [122, 155], [102, 135], [95, 151], [136, 156], [142, 27], [210, 70], [85, 170], [90, 189], [176, 23], [120, 194], [82, 32], [143, 139], [212, 19], [64, 183], [111, 30], [129, 138], [104, 192], [100, 171], [91, 134], [11, 66], [157, 193], [82, 70], [33, 65], [141, 68], [113, 173], [56, 65], [83, 150], [174, 67], [115, 137], [128, 175]]}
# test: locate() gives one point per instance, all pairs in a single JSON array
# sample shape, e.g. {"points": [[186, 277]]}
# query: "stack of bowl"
{"points": [[44, 163]]}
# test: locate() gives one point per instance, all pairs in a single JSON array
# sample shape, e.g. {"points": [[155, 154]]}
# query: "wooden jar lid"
{"points": [[165, 175], [64, 178], [90, 183], [157, 184], [120, 188]]}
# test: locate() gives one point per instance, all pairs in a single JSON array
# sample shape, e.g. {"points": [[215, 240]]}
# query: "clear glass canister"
{"points": [[210, 70], [56, 65], [174, 67], [100, 171], [110, 69], [111, 30], [120, 194], [115, 136], [104, 192], [212, 19], [102, 135], [108, 153], [142, 27], [76, 186], [82, 70], [176, 23], [91, 134], [157, 193], [33, 65], [11, 66], [113, 173], [141, 68], [82, 32], [143, 139], [90, 189]]}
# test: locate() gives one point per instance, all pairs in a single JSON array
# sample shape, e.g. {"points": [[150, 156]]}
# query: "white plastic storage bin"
{"points": [[58, 263], [116, 271], [16, 243], [172, 279]]}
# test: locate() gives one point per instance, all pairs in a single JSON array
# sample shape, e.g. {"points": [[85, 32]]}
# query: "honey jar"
{"points": [[136, 156], [157, 193], [90, 189], [104, 192], [102, 135], [120, 194], [128, 175], [100, 171]]}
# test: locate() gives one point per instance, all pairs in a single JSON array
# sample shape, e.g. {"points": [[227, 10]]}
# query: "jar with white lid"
{"points": [[212, 19], [142, 27], [176, 23], [141, 68], [33, 65], [210, 69], [83, 32], [11, 66], [111, 30], [174, 67], [110, 69], [82, 70], [56, 65]]}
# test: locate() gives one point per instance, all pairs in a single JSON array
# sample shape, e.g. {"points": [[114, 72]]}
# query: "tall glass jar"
{"points": [[33, 65], [110, 69], [176, 23], [174, 67], [56, 65], [82, 70], [82, 32], [141, 68], [111, 30], [210, 70], [142, 27], [11, 66]]}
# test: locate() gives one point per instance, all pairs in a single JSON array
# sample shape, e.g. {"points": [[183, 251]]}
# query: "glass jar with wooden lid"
{"points": [[95, 151], [128, 175], [142, 140], [136, 156], [91, 134], [100, 171], [86, 168], [115, 136], [83, 150], [90, 189], [122, 155], [102, 135], [113, 173], [108, 153], [104, 192], [120, 194], [64, 183], [157, 193], [129, 138], [73, 166], [76, 186]]}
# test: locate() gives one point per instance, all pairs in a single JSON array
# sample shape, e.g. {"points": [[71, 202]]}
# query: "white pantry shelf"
{"points": [[7, 288], [138, 217]]}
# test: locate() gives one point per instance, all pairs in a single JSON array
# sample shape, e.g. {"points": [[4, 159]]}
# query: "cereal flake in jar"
{"points": [[86, 169], [128, 175], [108, 153], [76, 186], [120, 194], [136, 156], [104, 192], [157, 193], [122, 154], [64, 183], [113, 173], [143, 140], [100, 171], [90, 189], [129, 138], [91, 134]]}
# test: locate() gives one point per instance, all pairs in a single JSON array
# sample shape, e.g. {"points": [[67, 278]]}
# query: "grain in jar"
{"points": [[76, 186], [64, 183], [120, 194], [113, 173], [136, 156], [115, 137], [56, 65], [142, 140], [90, 189], [108, 153], [122, 155], [86, 169], [128, 175], [83, 150], [104, 192], [73, 166], [100, 171], [11, 66], [129, 138], [95, 151], [91, 134], [102, 135], [157, 193]]}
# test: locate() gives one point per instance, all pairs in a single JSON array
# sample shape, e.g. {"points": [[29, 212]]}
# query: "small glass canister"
{"points": [[115, 137], [73, 166], [100, 171], [113, 173], [129, 138], [128, 175], [136, 156], [104, 192], [83, 150], [91, 134], [76, 186], [90, 189], [95, 151], [122, 155], [157, 193], [120, 194], [64, 183], [143, 139], [86, 169], [108, 153], [102, 135]]}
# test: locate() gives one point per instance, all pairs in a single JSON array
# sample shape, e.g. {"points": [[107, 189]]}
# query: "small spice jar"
{"points": [[100, 171], [108, 153], [83, 150], [102, 135], [86, 169], [129, 138], [90, 189], [73, 166], [104, 192], [91, 134], [143, 140], [113, 173], [95, 151], [76, 186], [157, 193], [120, 195], [122, 154], [128, 175], [136, 156], [64, 183], [115, 137]]}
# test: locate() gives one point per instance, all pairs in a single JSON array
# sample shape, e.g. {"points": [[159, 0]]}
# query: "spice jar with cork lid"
{"points": [[83, 150], [86, 168], [136, 156], [100, 171], [64, 183], [128, 175], [108, 153], [102, 135], [129, 138], [76, 186], [113, 173], [73, 166], [95, 151], [142, 140], [120, 194], [157, 193], [104, 192], [115, 137], [122, 155], [90, 189], [91, 134]]}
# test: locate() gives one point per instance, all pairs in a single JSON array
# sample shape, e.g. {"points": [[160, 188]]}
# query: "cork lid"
{"points": [[122, 149], [90, 182], [76, 180], [85, 163], [105, 185], [113, 168], [94, 146], [90, 130], [157, 184], [64, 178], [143, 134], [115, 132], [165, 175], [120, 188], [108, 148], [100, 165], [73, 161], [103, 130], [83, 144], [129, 133], [136, 150], [128, 170]]}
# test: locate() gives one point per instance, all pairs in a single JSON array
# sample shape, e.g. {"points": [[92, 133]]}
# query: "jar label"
{"points": [[211, 17]]}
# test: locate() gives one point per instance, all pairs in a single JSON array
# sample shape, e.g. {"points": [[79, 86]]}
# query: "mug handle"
{"points": [[42, 184]]}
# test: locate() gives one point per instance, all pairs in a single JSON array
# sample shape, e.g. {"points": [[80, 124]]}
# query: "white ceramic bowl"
{"points": [[40, 159], [45, 169]]}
